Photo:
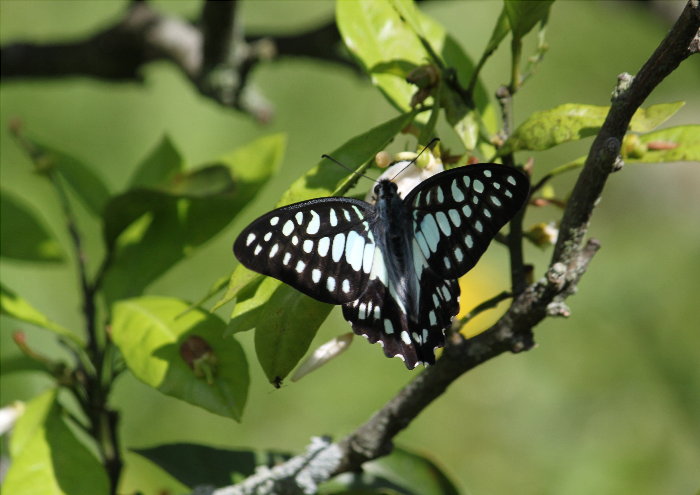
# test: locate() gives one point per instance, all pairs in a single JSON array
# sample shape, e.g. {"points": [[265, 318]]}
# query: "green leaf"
{"points": [[85, 183], [385, 36], [159, 167], [47, 458], [673, 144], [523, 15], [151, 229], [14, 306], [325, 177], [648, 119], [23, 235], [571, 121], [150, 333], [194, 465], [500, 31], [401, 472], [240, 277]]}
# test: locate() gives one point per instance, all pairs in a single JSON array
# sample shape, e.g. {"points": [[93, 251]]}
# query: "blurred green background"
{"points": [[608, 403]]}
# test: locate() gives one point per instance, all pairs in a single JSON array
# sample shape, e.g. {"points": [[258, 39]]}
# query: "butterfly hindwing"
{"points": [[377, 316], [322, 247], [457, 213]]}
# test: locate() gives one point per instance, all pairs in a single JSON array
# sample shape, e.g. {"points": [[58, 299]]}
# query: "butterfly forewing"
{"points": [[458, 212], [322, 247]]}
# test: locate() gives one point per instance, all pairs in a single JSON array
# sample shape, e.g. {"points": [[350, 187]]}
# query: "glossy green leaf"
{"points": [[152, 229], [82, 179], [150, 333], [47, 458], [523, 15], [194, 465], [570, 122], [159, 167], [14, 306], [385, 38], [23, 236], [402, 472]]}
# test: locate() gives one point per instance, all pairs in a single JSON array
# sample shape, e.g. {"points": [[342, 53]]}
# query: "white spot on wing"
{"points": [[330, 284], [274, 221], [300, 266], [338, 246], [315, 275], [367, 258], [456, 192], [323, 244], [268, 236], [454, 216], [314, 224], [258, 248], [274, 250], [469, 241], [495, 200], [300, 217], [287, 257], [467, 210], [487, 173], [430, 230], [333, 217], [249, 240], [443, 222], [511, 179], [478, 186], [354, 249], [405, 337], [346, 286], [288, 227], [388, 327]]}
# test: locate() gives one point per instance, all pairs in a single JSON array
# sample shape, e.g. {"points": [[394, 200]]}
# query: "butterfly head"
{"points": [[385, 190]]}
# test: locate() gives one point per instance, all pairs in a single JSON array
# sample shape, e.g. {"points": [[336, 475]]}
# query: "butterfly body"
{"points": [[394, 265]]}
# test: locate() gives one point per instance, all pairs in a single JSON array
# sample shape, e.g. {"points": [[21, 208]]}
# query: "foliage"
{"points": [[169, 209]]}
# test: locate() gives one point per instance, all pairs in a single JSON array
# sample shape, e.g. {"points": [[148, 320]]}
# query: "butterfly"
{"points": [[392, 265]]}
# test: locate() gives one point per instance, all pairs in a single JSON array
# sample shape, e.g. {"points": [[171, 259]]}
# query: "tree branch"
{"points": [[513, 331], [215, 54]]}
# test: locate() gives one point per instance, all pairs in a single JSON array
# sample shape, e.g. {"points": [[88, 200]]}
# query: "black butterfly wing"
{"points": [[377, 316], [458, 212], [322, 247]]}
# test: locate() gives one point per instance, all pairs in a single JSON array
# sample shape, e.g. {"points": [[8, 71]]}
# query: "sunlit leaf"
{"points": [[47, 458], [14, 306], [23, 235], [571, 121], [385, 36], [151, 332]]}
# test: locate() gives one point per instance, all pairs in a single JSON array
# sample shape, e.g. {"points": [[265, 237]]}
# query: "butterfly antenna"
{"points": [[427, 146], [346, 167]]}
